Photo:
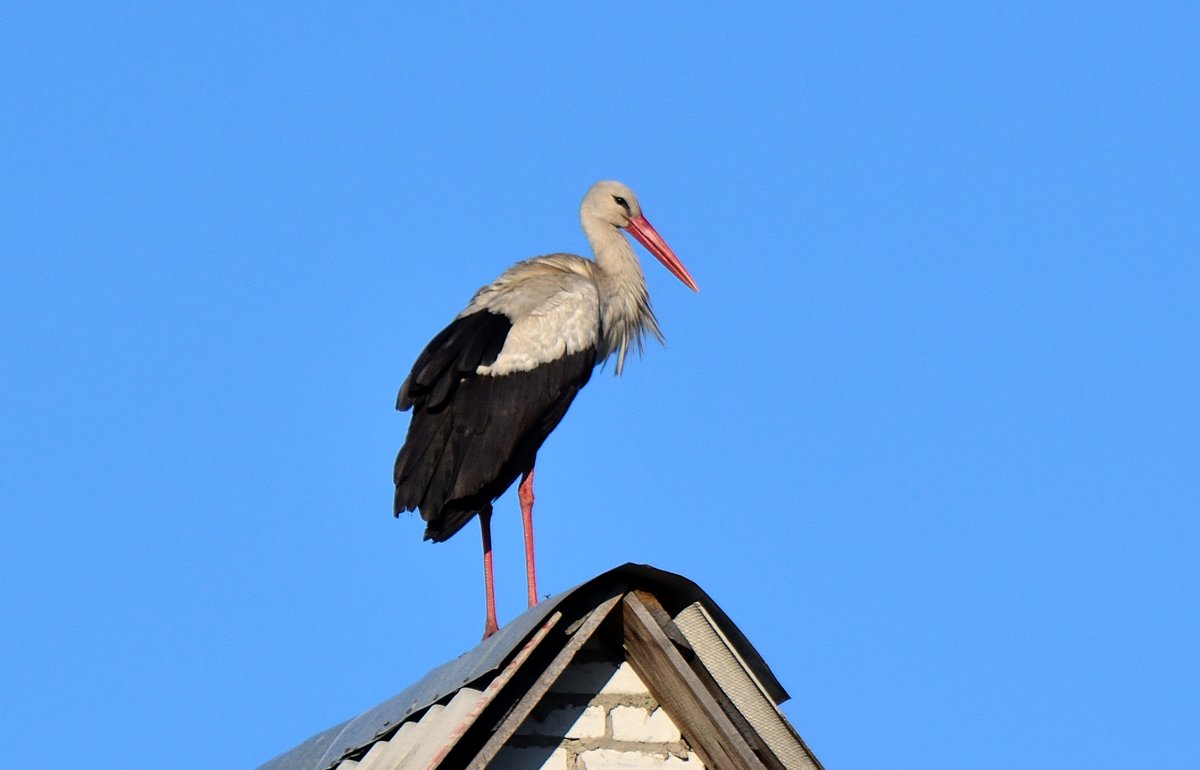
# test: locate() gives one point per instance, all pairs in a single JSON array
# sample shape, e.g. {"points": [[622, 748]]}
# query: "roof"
{"points": [[433, 718]]}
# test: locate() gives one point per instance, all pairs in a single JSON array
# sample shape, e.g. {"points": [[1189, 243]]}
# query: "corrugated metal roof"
{"points": [[325, 749], [417, 741], [349, 738]]}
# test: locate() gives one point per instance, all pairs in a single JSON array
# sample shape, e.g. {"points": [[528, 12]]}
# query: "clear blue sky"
{"points": [[929, 433]]}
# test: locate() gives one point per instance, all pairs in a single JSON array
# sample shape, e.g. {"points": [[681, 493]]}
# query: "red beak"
{"points": [[649, 237]]}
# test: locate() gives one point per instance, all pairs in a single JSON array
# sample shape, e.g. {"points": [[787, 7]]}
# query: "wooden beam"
{"points": [[740, 723], [524, 707], [665, 622], [676, 687]]}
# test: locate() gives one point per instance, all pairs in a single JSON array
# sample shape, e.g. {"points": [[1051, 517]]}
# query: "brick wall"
{"points": [[598, 716]]}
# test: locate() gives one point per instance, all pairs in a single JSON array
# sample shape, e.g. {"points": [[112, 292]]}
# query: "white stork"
{"points": [[491, 386]]}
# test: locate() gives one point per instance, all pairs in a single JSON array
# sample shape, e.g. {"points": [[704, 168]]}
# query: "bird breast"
{"points": [[554, 306]]}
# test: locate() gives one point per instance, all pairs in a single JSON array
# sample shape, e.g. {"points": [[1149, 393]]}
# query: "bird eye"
{"points": [[622, 203]]}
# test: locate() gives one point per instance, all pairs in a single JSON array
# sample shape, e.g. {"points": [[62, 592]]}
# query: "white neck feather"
{"points": [[625, 314]]}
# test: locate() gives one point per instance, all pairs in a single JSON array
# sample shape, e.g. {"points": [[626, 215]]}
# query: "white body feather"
{"points": [[554, 305]]}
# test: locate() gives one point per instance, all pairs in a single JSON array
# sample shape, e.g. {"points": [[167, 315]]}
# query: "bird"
{"points": [[487, 390]]}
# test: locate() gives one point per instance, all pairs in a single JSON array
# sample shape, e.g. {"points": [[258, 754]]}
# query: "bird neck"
{"points": [[625, 314]]}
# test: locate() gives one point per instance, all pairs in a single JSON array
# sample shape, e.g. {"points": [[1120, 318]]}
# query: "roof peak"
{"points": [[658, 614]]}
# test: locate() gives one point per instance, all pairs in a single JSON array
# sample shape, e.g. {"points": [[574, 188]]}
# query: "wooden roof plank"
{"points": [[679, 690], [524, 707], [673, 632]]}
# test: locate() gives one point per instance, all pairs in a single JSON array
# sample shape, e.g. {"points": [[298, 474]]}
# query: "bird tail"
{"points": [[426, 474], [447, 524]]}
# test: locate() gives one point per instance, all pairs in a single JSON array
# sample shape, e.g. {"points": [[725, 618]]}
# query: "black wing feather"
{"points": [[456, 352]]}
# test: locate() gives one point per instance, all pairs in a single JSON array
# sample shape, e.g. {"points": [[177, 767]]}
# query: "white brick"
{"points": [[589, 725], [625, 681], [636, 724], [610, 759], [512, 758], [567, 722]]}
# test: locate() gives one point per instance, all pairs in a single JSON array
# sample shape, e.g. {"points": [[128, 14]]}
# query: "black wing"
{"points": [[472, 435], [455, 353]]}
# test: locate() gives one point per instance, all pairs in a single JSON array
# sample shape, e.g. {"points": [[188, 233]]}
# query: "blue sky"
{"points": [[928, 433]]}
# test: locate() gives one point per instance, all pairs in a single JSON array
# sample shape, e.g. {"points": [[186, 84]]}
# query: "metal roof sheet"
{"points": [[418, 741]]}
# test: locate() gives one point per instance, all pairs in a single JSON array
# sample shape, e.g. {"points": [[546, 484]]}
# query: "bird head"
{"points": [[615, 204]]}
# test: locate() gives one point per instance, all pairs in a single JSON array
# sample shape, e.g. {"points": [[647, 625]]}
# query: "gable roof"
{"points": [[697, 663]]}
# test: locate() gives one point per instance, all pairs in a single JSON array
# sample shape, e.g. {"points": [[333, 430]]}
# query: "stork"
{"points": [[490, 387]]}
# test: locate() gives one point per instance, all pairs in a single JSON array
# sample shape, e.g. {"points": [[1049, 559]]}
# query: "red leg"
{"points": [[525, 494], [485, 524]]}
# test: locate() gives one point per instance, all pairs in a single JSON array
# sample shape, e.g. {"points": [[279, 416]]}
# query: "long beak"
{"points": [[649, 237]]}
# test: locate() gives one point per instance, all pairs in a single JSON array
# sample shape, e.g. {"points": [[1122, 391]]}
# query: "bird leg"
{"points": [[525, 494], [485, 525]]}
